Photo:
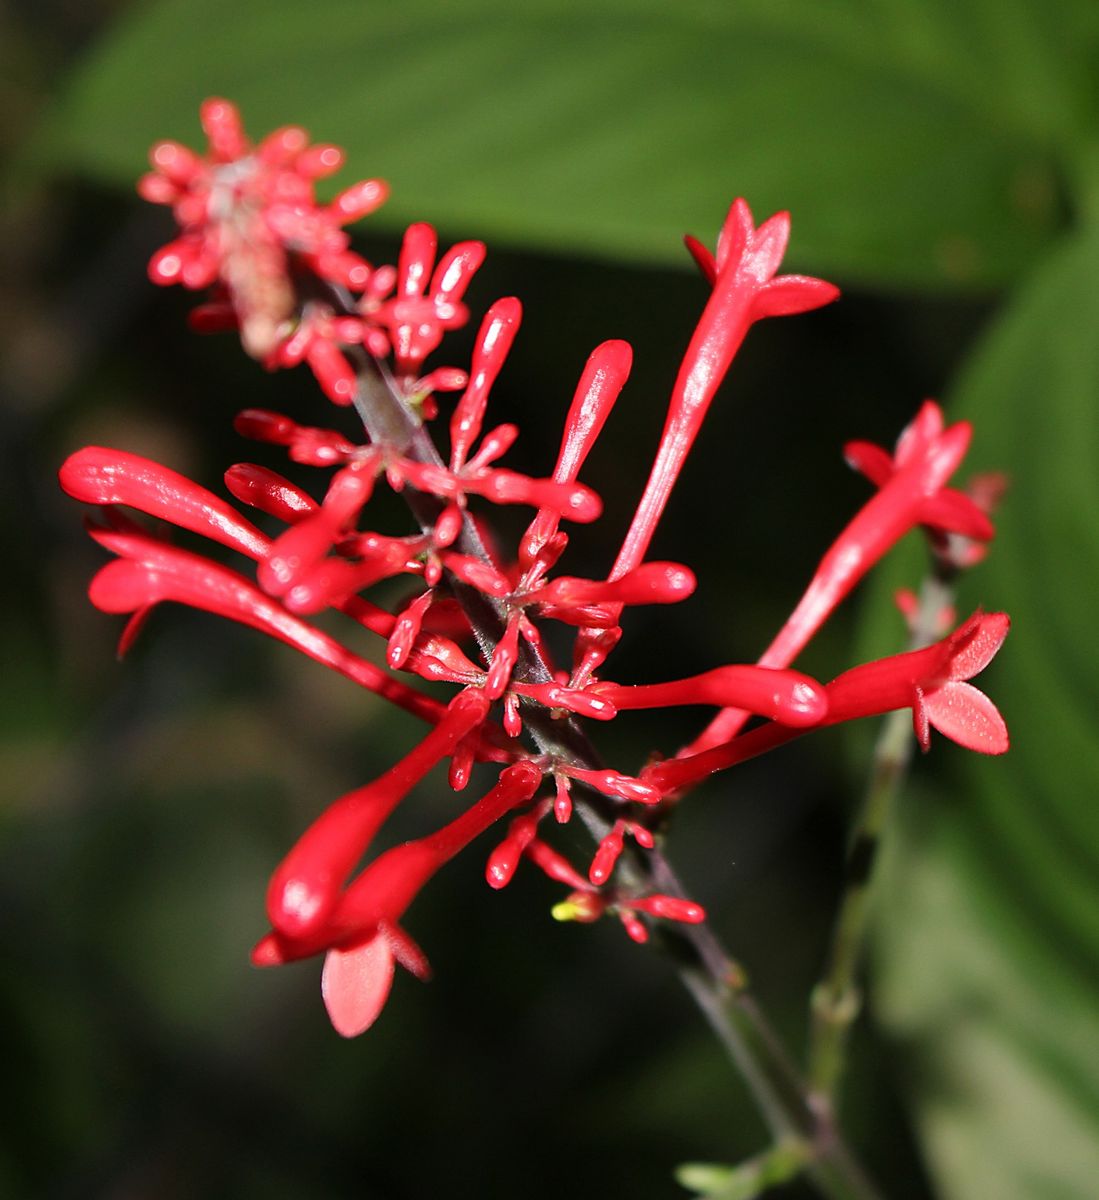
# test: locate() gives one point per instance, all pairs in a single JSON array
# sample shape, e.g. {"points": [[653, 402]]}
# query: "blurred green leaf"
{"points": [[989, 954], [916, 143]]}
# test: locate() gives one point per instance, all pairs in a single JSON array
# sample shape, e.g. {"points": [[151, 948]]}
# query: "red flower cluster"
{"points": [[251, 227], [286, 276]]}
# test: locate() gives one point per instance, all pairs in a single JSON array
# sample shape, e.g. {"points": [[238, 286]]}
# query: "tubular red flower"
{"points": [[151, 572], [744, 290], [504, 658], [305, 543], [272, 493], [477, 573], [651, 583], [572, 500], [911, 494], [96, 475], [554, 695], [607, 855], [416, 318], [305, 887], [494, 340], [788, 697], [932, 682], [942, 509], [670, 908], [359, 936], [614, 783], [504, 859], [305, 443], [406, 630], [603, 378]]}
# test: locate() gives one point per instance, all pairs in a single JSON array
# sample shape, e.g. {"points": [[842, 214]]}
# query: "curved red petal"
{"points": [[790, 294], [869, 460], [979, 639], [98, 475], [355, 985], [954, 512], [967, 716]]}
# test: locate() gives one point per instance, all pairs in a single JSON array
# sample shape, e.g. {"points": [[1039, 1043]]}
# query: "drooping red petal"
{"points": [[355, 985], [954, 512], [967, 716], [788, 295]]}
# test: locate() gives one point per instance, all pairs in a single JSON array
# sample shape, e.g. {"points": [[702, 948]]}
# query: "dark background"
{"points": [[147, 802]]}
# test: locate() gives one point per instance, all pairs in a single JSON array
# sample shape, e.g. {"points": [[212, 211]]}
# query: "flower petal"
{"points": [[978, 641], [355, 985], [767, 246], [788, 295], [736, 231], [967, 716], [704, 260], [954, 512], [919, 433], [869, 460]]}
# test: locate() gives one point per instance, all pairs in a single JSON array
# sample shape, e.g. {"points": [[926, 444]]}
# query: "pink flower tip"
{"points": [[355, 984]]}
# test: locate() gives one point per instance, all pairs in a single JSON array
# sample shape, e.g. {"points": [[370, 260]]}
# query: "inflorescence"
{"points": [[282, 273]]}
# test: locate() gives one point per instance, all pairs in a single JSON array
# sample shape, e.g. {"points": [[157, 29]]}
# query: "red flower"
{"points": [[305, 888], [604, 376], [783, 695], [933, 682], [245, 210], [745, 289], [912, 491], [361, 937], [283, 271], [427, 304], [151, 572]]}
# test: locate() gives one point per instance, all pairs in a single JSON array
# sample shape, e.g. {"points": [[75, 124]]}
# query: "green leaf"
{"points": [[988, 957], [915, 143]]}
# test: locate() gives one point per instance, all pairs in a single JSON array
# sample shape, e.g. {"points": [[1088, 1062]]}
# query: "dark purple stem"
{"points": [[707, 971]]}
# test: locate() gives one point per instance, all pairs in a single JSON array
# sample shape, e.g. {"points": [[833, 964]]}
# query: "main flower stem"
{"points": [[836, 999], [713, 979]]}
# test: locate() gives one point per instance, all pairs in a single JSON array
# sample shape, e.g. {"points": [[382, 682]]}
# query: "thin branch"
{"points": [[836, 999]]}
